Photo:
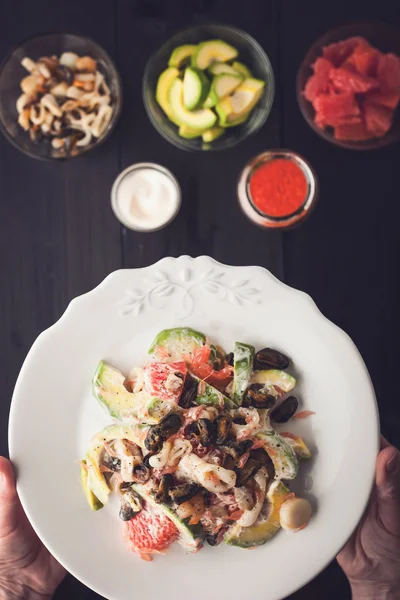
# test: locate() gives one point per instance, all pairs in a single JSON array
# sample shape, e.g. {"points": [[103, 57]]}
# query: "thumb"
{"points": [[9, 501], [388, 488]]}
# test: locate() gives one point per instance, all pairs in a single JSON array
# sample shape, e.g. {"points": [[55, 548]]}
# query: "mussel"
{"points": [[285, 411], [131, 504], [157, 434], [236, 449], [184, 492], [229, 359], [267, 358], [114, 464], [257, 395], [213, 539], [141, 473], [258, 458], [222, 426], [189, 392], [162, 494], [250, 468], [203, 431]]}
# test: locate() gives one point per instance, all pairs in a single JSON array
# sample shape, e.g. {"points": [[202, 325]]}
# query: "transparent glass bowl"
{"points": [[381, 35], [250, 52], [262, 219], [11, 74]]}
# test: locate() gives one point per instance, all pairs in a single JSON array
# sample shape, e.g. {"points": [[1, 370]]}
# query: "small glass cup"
{"points": [[138, 167], [254, 213]]}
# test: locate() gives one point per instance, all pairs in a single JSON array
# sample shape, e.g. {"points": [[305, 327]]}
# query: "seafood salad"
{"points": [[65, 101], [193, 454]]}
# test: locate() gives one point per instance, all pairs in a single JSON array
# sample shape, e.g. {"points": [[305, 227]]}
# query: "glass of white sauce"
{"points": [[146, 197]]}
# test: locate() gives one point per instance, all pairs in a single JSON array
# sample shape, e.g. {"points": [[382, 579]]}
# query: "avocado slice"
{"points": [[281, 453], [225, 125], [195, 88], [93, 502], [191, 536], [189, 133], [222, 85], [218, 68], [213, 51], [109, 390], [243, 357], [181, 55], [212, 134], [172, 344], [241, 102], [267, 524], [281, 379], [242, 69], [210, 396], [202, 118], [162, 91], [299, 446], [96, 481]]}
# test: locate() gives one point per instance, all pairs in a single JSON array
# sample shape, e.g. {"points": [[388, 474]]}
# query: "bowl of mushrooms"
{"points": [[60, 96]]}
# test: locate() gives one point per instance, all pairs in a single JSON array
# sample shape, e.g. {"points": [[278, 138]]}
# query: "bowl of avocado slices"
{"points": [[208, 87]]}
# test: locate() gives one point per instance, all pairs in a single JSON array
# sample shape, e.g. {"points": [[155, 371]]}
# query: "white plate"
{"points": [[53, 416]]}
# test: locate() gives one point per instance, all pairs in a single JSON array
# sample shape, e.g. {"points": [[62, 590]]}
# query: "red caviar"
{"points": [[278, 187]]}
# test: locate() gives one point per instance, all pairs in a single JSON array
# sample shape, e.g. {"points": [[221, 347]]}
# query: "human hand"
{"points": [[371, 558], [27, 569]]}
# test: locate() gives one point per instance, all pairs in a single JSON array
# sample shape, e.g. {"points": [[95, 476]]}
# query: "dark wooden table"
{"points": [[59, 238]]}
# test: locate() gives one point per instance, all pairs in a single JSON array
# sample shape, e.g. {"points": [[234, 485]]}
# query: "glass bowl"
{"points": [[250, 52], [381, 35], [267, 221], [11, 74]]}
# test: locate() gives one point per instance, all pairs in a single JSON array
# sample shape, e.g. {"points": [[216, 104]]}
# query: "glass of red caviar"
{"points": [[277, 189]]}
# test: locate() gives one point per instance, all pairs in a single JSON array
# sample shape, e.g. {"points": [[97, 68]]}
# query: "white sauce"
{"points": [[145, 198]]}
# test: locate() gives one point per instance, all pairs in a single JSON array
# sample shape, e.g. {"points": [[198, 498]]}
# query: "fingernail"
{"points": [[392, 464], [2, 482]]}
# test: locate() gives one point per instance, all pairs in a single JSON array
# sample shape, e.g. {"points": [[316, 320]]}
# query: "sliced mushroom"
{"points": [[57, 143], [85, 77], [101, 121], [85, 141], [21, 102]]}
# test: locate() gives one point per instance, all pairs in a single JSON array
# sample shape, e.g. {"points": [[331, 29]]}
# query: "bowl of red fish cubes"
{"points": [[348, 86]]}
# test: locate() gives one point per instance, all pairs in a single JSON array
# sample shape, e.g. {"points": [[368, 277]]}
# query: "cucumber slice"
{"points": [[213, 51], [267, 524], [195, 88], [281, 453], [243, 356], [212, 134], [171, 345], [191, 536], [281, 379], [190, 133], [162, 92], [210, 396], [181, 55], [241, 102], [235, 123], [93, 502], [242, 69], [197, 119], [218, 68]]}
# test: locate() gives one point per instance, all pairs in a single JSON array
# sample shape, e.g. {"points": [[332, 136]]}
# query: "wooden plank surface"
{"points": [[59, 238]]}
